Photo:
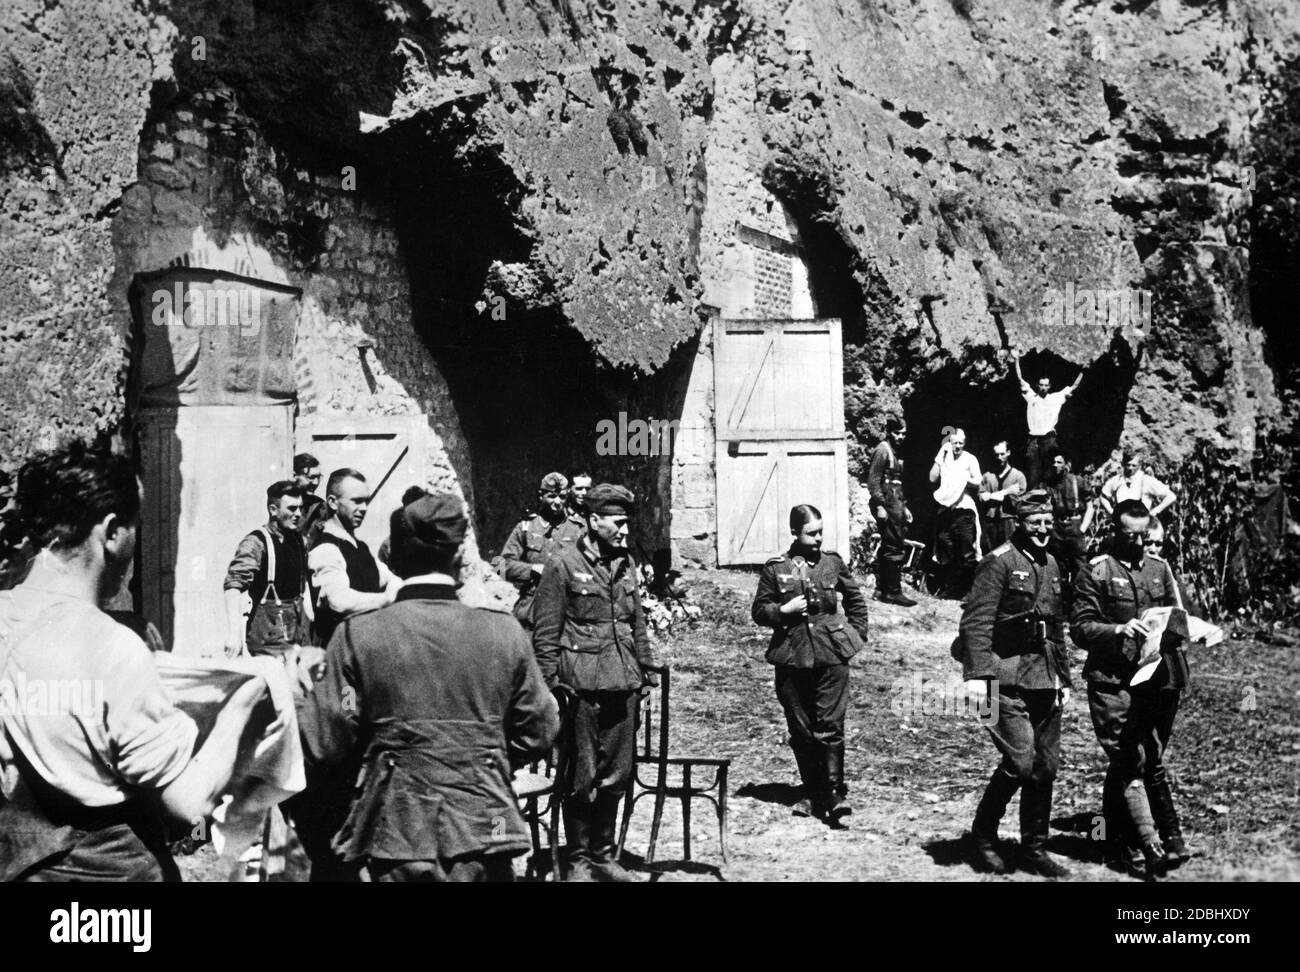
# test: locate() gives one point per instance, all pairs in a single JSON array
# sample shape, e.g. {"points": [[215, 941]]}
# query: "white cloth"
{"points": [[955, 474], [274, 771], [1042, 411], [81, 698]]}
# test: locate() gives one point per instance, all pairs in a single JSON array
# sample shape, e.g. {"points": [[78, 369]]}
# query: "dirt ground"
{"points": [[916, 773]]}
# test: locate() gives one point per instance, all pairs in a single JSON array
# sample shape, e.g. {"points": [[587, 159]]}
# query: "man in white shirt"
{"points": [[345, 576], [1042, 410], [957, 529], [1136, 484], [92, 749]]}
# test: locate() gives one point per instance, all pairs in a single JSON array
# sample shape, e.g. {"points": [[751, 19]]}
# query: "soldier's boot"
{"points": [[604, 848], [1035, 817], [891, 585], [1121, 852], [984, 830], [1139, 811], [837, 807], [806, 760], [1166, 817], [577, 828]]}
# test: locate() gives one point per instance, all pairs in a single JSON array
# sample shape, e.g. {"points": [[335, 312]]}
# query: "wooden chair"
{"points": [[653, 752], [547, 779]]}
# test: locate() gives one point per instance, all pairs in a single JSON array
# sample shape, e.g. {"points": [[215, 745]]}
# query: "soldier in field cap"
{"points": [[590, 634], [436, 701], [1017, 672], [536, 539]]}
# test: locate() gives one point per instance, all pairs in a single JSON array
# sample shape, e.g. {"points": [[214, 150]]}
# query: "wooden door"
{"points": [[205, 469], [388, 450], [779, 414]]}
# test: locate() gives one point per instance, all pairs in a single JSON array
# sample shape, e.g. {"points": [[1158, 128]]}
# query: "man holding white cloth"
{"points": [[957, 529]]}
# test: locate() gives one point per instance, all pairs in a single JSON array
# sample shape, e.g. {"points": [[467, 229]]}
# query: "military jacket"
{"points": [[589, 627], [1106, 594], [827, 636], [1012, 622], [439, 701], [535, 541]]}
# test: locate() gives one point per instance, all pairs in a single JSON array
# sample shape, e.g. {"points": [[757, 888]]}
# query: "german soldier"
{"points": [[1016, 668], [437, 701], [885, 486], [811, 648], [537, 539], [1133, 722], [590, 634]]}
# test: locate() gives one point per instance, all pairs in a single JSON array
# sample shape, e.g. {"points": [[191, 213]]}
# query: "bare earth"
{"points": [[915, 777]]}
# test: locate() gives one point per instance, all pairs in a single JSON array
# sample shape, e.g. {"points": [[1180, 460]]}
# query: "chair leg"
{"points": [[722, 812], [686, 812], [660, 796], [628, 803], [534, 812]]}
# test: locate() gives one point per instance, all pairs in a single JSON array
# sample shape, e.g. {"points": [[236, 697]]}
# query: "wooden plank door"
{"points": [[205, 469], [389, 450], [779, 413]]}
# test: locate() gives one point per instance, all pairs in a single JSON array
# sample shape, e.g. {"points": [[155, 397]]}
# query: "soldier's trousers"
{"points": [[1133, 728], [815, 701], [1037, 452], [893, 548], [604, 744], [1027, 732]]}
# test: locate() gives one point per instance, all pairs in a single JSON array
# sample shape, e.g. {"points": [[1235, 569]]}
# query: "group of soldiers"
{"points": [[976, 510], [417, 687], [1016, 665], [421, 708]]}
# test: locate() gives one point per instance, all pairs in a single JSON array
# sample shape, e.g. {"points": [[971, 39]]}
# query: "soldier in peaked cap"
{"points": [[1133, 722], [1017, 670], [811, 647], [590, 634], [535, 540], [436, 701]]}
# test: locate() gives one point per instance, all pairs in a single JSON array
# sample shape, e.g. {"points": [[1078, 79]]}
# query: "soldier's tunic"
{"points": [[535, 541], [590, 634], [885, 486], [438, 701], [1133, 723], [1013, 633], [811, 653]]}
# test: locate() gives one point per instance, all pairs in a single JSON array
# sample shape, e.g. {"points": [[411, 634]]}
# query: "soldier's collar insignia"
{"points": [[581, 576]]}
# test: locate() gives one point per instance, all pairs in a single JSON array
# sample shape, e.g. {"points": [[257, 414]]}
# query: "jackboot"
{"points": [[1139, 811], [1161, 798], [578, 831], [1121, 851], [891, 585], [984, 830], [836, 789], [604, 849], [1035, 818], [805, 759]]}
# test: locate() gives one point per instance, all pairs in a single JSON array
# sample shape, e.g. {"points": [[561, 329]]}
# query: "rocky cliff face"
{"points": [[955, 167]]}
